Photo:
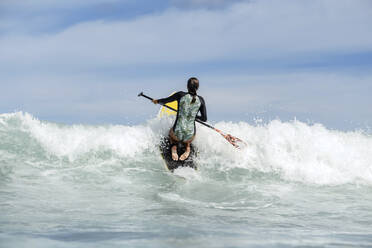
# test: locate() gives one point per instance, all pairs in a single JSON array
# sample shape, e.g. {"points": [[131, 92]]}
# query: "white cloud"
{"points": [[204, 3], [38, 16], [56, 73], [37, 5], [323, 97], [292, 92], [259, 30]]}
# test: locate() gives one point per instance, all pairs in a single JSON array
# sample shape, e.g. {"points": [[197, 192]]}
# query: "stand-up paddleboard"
{"points": [[166, 153], [165, 146]]}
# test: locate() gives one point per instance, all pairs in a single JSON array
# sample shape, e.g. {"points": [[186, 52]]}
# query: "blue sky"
{"points": [[77, 61]]}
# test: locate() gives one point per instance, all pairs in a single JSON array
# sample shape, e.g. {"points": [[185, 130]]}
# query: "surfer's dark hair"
{"points": [[192, 87]]}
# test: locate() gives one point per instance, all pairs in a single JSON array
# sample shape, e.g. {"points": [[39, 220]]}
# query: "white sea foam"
{"points": [[298, 151], [73, 140], [294, 150], [64, 185]]}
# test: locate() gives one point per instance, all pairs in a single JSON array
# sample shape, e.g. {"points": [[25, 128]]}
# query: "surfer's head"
{"points": [[192, 87]]}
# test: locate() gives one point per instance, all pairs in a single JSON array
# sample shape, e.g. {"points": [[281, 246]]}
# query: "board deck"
{"points": [[166, 153], [164, 111]]}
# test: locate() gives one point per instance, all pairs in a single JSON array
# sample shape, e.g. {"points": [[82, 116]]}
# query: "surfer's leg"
{"points": [[174, 153], [173, 141], [186, 154]]}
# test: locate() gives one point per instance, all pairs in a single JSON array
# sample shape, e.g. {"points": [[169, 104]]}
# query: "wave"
{"points": [[293, 151]]}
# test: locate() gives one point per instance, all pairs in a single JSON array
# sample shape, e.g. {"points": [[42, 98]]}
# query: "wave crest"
{"points": [[293, 150]]}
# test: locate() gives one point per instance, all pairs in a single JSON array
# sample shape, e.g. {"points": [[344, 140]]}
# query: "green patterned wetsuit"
{"points": [[184, 126]]}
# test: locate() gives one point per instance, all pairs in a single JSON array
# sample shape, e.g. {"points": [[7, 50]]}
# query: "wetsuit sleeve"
{"points": [[203, 110], [174, 97]]}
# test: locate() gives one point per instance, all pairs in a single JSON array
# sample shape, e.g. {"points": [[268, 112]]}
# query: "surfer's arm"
{"points": [[203, 110], [171, 98]]}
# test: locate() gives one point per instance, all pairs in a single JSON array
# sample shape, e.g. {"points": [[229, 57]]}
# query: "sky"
{"points": [[78, 61]]}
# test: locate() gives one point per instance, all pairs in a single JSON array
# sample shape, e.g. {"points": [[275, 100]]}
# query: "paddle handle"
{"points": [[141, 94]]}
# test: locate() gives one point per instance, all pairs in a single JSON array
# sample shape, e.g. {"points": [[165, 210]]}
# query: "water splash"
{"points": [[294, 151]]}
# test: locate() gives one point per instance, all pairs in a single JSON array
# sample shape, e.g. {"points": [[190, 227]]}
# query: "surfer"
{"points": [[189, 104]]}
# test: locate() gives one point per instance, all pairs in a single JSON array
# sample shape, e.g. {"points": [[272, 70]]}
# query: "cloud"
{"points": [[77, 70], [49, 5], [259, 30], [328, 98], [205, 3], [333, 99], [44, 16], [87, 98]]}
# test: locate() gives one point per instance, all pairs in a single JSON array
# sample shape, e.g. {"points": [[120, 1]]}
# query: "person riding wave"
{"points": [[189, 104]]}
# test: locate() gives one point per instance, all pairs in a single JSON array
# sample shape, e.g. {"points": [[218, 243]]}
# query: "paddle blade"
{"points": [[236, 142]]}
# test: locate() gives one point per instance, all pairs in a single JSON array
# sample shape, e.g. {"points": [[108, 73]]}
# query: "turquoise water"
{"points": [[295, 185]]}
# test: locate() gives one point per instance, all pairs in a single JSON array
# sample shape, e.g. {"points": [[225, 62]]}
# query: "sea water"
{"points": [[294, 185]]}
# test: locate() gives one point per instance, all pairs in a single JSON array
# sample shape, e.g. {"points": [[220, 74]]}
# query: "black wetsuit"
{"points": [[177, 97]]}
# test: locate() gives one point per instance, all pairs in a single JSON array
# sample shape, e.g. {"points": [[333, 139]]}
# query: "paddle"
{"points": [[231, 139]]}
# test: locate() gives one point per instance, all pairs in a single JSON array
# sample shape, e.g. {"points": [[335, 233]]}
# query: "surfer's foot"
{"points": [[186, 154], [174, 153]]}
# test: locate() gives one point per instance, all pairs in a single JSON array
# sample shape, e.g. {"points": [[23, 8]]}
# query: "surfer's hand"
{"points": [[155, 101]]}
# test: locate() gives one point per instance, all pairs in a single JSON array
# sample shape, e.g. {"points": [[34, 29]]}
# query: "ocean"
{"points": [[294, 185]]}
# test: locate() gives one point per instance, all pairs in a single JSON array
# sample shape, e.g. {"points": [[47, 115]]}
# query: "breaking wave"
{"points": [[291, 151]]}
